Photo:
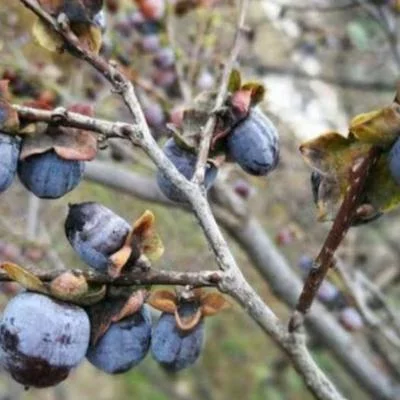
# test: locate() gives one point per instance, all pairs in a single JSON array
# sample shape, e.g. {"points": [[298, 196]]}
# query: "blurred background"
{"points": [[322, 63]]}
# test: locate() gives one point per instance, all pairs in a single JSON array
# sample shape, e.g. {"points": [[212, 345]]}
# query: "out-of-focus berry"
{"points": [[185, 163]]}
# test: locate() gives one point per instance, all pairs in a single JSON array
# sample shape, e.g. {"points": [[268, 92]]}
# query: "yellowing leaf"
{"points": [[24, 277], [46, 36], [89, 36], [380, 127]]}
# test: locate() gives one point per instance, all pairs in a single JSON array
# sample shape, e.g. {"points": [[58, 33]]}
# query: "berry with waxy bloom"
{"points": [[42, 339]]}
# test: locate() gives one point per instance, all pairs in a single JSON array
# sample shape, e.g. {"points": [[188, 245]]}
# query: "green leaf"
{"points": [[24, 277], [234, 81]]}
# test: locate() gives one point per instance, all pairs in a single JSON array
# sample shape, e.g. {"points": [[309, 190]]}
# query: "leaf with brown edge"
{"points": [[46, 37], [118, 260], [68, 143], [235, 81], [68, 286], [9, 120], [213, 303], [24, 277], [145, 236], [163, 300], [132, 305], [380, 127], [189, 322]]}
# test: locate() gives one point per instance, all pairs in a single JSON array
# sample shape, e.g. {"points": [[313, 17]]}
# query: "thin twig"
{"points": [[359, 173], [198, 176], [135, 277]]}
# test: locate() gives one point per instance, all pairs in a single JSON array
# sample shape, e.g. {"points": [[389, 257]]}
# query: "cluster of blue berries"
{"points": [[46, 175], [43, 339], [253, 144]]}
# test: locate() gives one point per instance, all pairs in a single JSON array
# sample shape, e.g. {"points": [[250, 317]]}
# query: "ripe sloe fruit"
{"points": [[254, 144], [175, 349], [95, 232], [185, 162], [42, 339], [48, 176], [9, 153], [124, 344], [394, 161]]}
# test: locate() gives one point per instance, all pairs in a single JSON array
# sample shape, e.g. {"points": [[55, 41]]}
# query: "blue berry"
{"points": [[351, 319], [254, 144], [95, 232], [175, 349], [185, 162], [394, 161], [42, 339], [10, 147], [48, 176], [124, 344]]}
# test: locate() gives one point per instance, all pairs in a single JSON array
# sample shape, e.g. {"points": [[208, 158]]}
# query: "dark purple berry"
{"points": [[164, 58], [173, 348], [42, 339], [124, 344], [95, 232], [351, 319], [394, 161], [185, 162], [10, 147], [48, 176], [254, 144], [154, 114]]}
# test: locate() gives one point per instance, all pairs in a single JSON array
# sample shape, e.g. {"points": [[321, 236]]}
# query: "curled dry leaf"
{"points": [[9, 121], [163, 300], [142, 240], [212, 303], [24, 277]]}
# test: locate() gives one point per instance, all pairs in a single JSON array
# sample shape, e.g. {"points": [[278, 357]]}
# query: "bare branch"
{"points": [[137, 277]]}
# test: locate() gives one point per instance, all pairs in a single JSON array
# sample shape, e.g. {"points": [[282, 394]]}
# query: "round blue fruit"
{"points": [[42, 339], [95, 232], [185, 163], [10, 147], [254, 144], [48, 176], [173, 348], [394, 161], [124, 344]]}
